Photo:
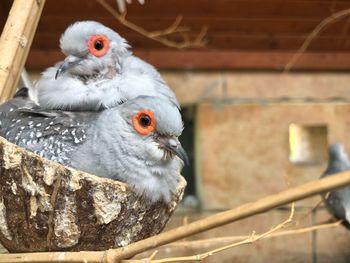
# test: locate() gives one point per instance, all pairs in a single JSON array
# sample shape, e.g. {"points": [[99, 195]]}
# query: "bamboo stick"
{"points": [[225, 240], [115, 255], [241, 212], [15, 42], [44, 257]]}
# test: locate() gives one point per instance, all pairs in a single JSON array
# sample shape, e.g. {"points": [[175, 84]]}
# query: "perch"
{"points": [[45, 206], [15, 42]]}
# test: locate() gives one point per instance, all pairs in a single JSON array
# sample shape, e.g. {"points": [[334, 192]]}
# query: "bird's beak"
{"points": [[174, 146], [69, 62]]}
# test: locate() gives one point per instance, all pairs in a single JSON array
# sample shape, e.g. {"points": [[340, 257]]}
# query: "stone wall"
{"points": [[243, 150]]}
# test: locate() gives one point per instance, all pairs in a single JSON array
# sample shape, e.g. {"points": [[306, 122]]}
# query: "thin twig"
{"points": [[325, 22], [306, 215], [160, 35], [122, 4], [249, 240], [228, 239], [174, 28], [208, 242], [151, 257]]}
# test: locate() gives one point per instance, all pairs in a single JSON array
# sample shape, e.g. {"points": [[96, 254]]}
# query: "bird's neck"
{"points": [[107, 73]]}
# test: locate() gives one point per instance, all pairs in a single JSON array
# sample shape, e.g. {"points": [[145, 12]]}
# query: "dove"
{"points": [[98, 72], [135, 142], [338, 201]]}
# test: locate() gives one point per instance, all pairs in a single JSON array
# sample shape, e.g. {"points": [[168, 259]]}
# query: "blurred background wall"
{"points": [[251, 129]]}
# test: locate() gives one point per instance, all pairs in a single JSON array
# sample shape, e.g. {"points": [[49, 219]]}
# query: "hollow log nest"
{"points": [[45, 206]]}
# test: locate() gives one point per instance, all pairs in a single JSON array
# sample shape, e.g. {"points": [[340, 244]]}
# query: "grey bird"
{"points": [[98, 72], [338, 201], [135, 142]]}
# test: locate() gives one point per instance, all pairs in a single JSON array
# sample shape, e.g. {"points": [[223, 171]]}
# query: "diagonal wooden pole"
{"points": [[15, 42], [116, 255]]}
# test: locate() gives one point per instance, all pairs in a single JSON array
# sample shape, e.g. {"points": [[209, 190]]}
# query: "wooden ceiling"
{"points": [[242, 34]]}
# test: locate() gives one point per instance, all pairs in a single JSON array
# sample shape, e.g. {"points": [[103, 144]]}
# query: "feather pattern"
{"points": [[103, 143]]}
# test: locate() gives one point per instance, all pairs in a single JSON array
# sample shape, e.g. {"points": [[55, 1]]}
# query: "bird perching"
{"points": [[135, 142], [338, 201], [98, 72]]}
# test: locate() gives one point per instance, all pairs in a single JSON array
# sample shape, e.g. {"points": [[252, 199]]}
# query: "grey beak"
{"points": [[175, 147], [69, 62]]}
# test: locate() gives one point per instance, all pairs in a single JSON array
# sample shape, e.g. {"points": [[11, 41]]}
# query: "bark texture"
{"points": [[45, 206]]}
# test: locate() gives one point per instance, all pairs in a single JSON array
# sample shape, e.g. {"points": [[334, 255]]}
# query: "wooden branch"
{"points": [[15, 42], [230, 242], [122, 4], [325, 22], [249, 240], [197, 244], [160, 35], [115, 255], [174, 28]]}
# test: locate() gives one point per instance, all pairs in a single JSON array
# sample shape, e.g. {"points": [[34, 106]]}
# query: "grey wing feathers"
{"points": [[336, 199], [336, 204], [51, 134]]}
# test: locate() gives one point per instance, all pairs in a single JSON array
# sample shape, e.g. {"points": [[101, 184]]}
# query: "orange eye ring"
{"points": [[144, 122], [98, 45]]}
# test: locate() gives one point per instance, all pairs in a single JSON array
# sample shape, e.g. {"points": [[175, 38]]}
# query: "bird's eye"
{"points": [[144, 122], [98, 45]]}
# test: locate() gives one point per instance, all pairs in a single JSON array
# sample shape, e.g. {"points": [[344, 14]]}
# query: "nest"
{"points": [[45, 206]]}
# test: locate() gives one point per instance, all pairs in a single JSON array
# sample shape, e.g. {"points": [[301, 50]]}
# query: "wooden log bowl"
{"points": [[45, 206]]}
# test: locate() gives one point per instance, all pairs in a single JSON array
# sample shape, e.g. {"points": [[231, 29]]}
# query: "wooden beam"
{"points": [[223, 41], [206, 8], [15, 42], [172, 59]]}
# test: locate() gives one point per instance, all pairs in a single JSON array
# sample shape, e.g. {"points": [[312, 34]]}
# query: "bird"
{"points": [[98, 72], [338, 201], [135, 142]]}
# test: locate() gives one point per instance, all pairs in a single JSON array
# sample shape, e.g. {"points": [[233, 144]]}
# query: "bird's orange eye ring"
{"points": [[98, 45], [144, 122]]}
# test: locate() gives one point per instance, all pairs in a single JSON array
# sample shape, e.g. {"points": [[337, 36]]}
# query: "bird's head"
{"points": [[91, 48], [156, 124]]}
